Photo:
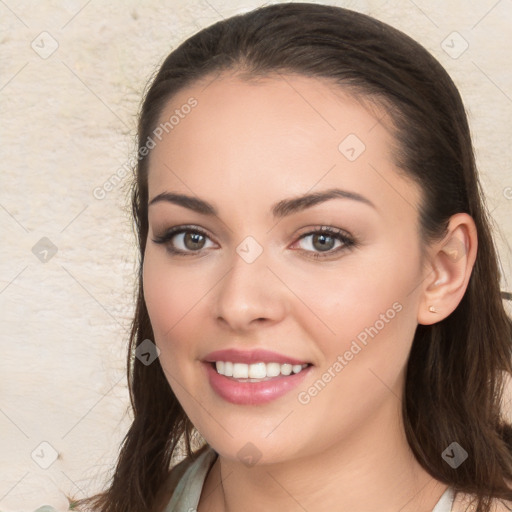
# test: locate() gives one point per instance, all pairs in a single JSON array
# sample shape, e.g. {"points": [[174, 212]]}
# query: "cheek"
{"points": [[159, 297], [175, 297], [342, 302], [170, 300], [167, 297], [363, 318]]}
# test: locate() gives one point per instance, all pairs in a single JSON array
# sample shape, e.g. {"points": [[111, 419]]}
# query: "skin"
{"points": [[245, 147]]}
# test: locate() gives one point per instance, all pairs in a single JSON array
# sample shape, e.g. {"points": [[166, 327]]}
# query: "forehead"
{"points": [[274, 105], [285, 132]]}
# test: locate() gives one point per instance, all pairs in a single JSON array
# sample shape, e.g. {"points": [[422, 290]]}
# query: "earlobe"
{"points": [[447, 276]]}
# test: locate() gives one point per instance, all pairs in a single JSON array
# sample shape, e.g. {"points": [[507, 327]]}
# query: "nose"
{"points": [[249, 295]]}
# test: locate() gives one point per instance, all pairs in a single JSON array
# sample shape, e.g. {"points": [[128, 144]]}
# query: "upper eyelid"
{"points": [[307, 231], [178, 230]]}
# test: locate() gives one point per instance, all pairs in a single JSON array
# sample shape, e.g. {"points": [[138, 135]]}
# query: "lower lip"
{"points": [[253, 393]]}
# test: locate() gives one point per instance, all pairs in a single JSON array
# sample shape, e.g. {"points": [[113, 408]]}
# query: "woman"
{"points": [[318, 276]]}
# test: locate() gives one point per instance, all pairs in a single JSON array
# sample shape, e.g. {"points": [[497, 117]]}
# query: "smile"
{"points": [[253, 377], [256, 372]]}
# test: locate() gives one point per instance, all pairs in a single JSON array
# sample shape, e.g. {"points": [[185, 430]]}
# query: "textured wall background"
{"points": [[71, 77]]}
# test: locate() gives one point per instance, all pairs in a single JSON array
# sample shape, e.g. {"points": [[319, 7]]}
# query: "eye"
{"points": [[183, 240], [323, 239]]}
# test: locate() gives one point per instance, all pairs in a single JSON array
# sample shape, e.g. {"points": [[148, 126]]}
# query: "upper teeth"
{"points": [[256, 370]]}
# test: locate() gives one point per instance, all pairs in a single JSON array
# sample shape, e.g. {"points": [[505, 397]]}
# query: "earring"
{"points": [[432, 309]]}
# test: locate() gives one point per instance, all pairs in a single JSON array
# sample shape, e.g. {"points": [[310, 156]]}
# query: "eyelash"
{"points": [[348, 241]]}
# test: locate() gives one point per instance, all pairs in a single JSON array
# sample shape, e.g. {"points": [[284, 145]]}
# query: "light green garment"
{"points": [[188, 491]]}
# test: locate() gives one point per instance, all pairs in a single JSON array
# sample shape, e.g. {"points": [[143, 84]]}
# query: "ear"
{"points": [[450, 263]]}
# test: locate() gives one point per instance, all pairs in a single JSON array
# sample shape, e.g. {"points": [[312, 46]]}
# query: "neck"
{"points": [[371, 469]]}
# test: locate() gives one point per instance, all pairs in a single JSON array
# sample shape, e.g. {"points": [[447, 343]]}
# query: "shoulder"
{"points": [[174, 476]]}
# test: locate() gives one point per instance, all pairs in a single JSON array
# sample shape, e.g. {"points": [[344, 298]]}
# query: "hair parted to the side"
{"points": [[456, 369]]}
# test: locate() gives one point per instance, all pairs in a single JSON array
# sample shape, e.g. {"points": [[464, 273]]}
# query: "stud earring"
{"points": [[432, 309]]}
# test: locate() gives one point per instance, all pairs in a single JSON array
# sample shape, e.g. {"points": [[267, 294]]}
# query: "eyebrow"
{"points": [[279, 210]]}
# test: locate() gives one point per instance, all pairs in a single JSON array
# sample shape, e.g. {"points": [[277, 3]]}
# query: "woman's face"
{"points": [[257, 275]]}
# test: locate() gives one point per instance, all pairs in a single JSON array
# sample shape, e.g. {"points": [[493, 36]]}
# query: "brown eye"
{"points": [[183, 241], [193, 240]]}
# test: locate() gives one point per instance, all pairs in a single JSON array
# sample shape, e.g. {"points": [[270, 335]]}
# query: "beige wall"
{"points": [[68, 123]]}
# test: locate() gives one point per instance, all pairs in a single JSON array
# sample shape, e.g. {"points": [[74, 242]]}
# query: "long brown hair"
{"points": [[456, 369]]}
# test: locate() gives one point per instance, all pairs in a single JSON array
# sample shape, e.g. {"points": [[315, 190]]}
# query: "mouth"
{"points": [[256, 372], [253, 377]]}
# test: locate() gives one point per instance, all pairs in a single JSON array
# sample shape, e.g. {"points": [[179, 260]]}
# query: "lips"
{"points": [[252, 356], [253, 391]]}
